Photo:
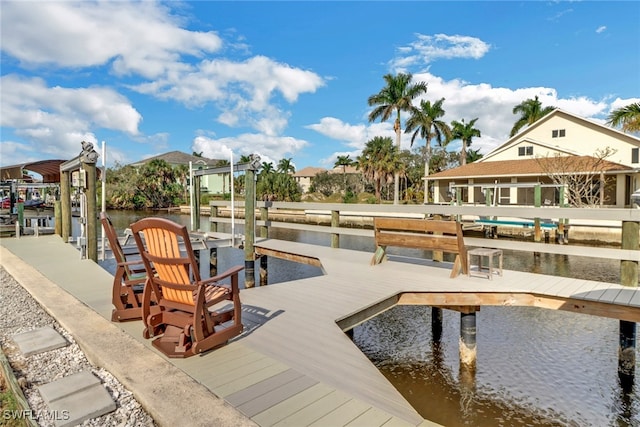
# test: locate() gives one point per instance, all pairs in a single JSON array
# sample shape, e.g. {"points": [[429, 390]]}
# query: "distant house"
{"points": [[303, 177], [513, 167], [215, 183]]}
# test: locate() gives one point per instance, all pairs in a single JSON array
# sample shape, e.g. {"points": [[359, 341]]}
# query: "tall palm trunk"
{"points": [[427, 161]]}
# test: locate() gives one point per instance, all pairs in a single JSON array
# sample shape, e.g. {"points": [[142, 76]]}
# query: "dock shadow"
{"points": [[254, 317]]}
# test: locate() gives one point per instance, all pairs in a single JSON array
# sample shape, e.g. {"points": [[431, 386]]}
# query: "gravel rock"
{"points": [[19, 312]]}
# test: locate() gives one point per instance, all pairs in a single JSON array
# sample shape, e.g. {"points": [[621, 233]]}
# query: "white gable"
{"points": [[566, 134]]}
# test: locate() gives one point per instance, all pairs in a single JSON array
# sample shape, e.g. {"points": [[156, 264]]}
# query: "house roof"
{"points": [[178, 158], [309, 171], [525, 167], [348, 169], [557, 112]]}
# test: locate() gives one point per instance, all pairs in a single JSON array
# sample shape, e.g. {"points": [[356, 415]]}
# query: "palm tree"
{"points": [[379, 159], [473, 155], [285, 166], [267, 168], [628, 117], [396, 96], [344, 161], [465, 133], [425, 121], [530, 111]]}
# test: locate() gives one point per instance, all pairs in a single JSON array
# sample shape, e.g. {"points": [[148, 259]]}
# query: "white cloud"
{"points": [[141, 37], [601, 29], [244, 92], [491, 105], [56, 119], [146, 49], [427, 49], [269, 148]]}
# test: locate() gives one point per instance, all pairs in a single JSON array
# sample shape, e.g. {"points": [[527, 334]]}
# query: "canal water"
{"points": [[535, 367]]}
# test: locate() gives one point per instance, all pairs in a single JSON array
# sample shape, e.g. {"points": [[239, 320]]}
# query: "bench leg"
{"points": [[457, 267], [379, 256]]}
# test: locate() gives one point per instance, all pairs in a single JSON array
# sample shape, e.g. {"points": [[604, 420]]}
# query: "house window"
{"points": [[635, 154], [558, 133], [525, 151]]}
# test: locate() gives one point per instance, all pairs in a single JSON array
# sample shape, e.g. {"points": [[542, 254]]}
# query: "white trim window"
{"points": [[525, 150]]}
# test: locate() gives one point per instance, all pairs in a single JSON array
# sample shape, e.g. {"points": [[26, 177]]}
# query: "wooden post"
{"points": [[437, 255], [92, 211], [65, 201], [537, 201], [249, 221], [57, 215], [436, 324], [627, 334], [335, 222], [264, 216], [468, 352], [264, 271], [20, 219], [214, 214], [213, 262]]}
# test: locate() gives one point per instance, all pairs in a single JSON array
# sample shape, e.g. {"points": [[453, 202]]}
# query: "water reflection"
{"points": [[534, 366]]}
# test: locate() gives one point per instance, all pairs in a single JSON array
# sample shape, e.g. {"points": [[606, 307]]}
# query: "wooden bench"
{"points": [[433, 235]]}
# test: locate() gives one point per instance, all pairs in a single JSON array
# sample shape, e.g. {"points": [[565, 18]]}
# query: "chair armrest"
{"points": [[230, 272], [141, 268]]}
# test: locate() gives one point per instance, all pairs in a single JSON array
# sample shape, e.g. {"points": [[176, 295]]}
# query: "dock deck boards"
{"points": [[293, 365]]}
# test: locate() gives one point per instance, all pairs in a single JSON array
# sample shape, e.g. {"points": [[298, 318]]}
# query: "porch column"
{"points": [[513, 192]]}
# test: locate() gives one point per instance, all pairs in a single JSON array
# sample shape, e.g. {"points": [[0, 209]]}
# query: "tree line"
{"points": [[381, 164]]}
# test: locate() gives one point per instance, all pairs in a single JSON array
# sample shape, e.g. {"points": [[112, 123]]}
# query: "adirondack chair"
{"points": [[129, 280], [195, 314]]}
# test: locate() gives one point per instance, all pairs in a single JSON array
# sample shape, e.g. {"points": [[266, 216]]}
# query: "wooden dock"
{"points": [[294, 365]]}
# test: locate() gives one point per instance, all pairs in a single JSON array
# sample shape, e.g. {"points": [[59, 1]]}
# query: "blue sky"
{"points": [[292, 79]]}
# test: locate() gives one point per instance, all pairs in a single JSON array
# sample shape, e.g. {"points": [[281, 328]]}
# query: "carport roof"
{"points": [[49, 169]]}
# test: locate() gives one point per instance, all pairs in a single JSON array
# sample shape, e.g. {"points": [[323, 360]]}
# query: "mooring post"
{"points": [[264, 216], [335, 223], [628, 277], [437, 255], [65, 201], [249, 221], [468, 350], [537, 202], [57, 217], [213, 216], [88, 159], [436, 324], [213, 262], [264, 271]]}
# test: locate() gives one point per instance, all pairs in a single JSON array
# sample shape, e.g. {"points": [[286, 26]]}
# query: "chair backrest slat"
{"points": [[161, 247]]}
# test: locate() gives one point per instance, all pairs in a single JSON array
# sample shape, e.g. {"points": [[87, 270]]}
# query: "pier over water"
{"points": [[295, 363]]}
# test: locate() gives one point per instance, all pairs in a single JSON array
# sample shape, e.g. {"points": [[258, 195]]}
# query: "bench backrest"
{"points": [[445, 236]]}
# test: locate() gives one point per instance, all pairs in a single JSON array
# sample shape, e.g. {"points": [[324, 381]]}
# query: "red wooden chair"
{"points": [[129, 280], [194, 314]]}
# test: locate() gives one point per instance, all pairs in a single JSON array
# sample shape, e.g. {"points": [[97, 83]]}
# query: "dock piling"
{"points": [[468, 351], [627, 334]]}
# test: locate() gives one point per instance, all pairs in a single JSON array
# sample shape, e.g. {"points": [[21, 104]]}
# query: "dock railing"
{"points": [[356, 220]]}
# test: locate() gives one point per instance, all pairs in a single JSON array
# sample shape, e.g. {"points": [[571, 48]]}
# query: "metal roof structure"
{"points": [[49, 169]]}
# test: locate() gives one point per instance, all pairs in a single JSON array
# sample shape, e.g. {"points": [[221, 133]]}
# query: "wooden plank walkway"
{"points": [[293, 365]]}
